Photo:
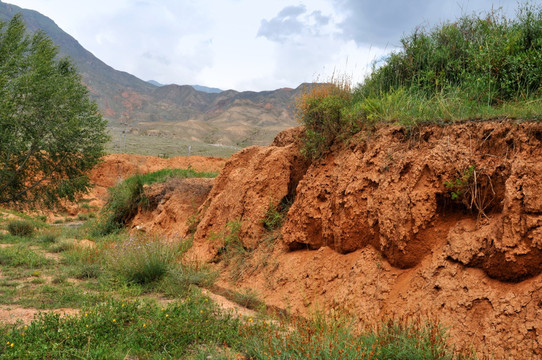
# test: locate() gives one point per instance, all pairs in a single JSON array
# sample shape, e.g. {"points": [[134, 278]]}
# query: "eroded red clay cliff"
{"points": [[374, 230]]}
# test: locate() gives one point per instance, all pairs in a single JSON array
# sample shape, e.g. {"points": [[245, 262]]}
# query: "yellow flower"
{"points": [[87, 325], [201, 311], [206, 299], [114, 320], [86, 314], [11, 345], [144, 325], [250, 319], [167, 315]]}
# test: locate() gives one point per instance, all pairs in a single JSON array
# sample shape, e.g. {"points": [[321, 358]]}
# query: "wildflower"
{"points": [[114, 320], [201, 311], [144, 325], [167, 315], [249, 319]]}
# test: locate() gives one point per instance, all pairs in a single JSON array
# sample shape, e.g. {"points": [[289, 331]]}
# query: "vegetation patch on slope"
{"points": [[473, 68], [128, 196]]}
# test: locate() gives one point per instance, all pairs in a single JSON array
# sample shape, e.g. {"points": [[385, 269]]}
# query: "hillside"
{"points": [[372, 230], [182, 112]]}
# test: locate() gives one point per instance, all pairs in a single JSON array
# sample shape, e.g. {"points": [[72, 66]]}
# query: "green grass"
{"points": [[142, 260], [20, 255], [115, 285], [475, 68], [119, 329], [124, 328]]}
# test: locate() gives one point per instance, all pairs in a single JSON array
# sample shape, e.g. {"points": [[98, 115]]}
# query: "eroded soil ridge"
{"points": [[434, 221]]}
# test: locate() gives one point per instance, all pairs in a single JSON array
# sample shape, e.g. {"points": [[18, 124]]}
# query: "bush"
{"points": [[485, 61], [275, 214], [20, 228], [48, 238], [142, 260]]}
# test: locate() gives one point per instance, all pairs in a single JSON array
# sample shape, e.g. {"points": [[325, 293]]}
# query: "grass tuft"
{"points": [[20, 228]]}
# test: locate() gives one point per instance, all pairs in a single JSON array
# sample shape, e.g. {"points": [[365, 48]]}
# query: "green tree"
{"points": [[51, 133]]}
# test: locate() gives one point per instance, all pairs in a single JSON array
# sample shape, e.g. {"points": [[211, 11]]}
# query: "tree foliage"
{"points": [[51, 133]]}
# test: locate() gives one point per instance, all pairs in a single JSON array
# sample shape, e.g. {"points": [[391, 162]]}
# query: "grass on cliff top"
{"points": [[477, 67]]}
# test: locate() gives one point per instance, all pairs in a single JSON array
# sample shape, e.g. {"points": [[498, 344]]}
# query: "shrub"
{"points": [[48, 238], [275, 214], [64, 245], [247, 298], [20, 228], [483, 60], [82, 217], [472, 188], [142, 260]]}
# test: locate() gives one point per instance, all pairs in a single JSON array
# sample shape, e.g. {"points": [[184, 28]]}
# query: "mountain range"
{"points": [[186, 112]]}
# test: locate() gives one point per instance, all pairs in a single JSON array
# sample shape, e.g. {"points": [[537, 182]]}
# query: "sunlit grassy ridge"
{"points": [[478, 67]]}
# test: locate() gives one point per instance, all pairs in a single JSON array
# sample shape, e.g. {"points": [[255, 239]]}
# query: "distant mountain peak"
{"points": [[155, 83], [210, 90]]}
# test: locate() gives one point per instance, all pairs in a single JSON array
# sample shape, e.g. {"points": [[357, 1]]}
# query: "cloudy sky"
{"points": [[248, 44]]}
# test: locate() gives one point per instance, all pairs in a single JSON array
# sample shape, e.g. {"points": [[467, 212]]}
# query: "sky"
{"points": [[249, 44]]}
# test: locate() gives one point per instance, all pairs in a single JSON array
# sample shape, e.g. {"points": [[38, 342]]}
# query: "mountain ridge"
{"points": [[228, 117]]}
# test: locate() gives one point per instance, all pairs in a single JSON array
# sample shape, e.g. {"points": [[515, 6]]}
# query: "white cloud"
{"points": [[246, 44]]}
